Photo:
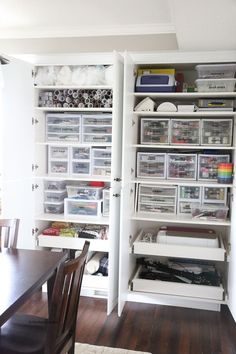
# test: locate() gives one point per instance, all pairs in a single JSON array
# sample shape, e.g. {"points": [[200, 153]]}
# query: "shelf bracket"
{"points": [[34, 187], [117, 179], [34, 121]]}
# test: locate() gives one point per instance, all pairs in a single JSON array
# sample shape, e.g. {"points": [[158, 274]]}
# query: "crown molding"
{"points": [[88, 31]]}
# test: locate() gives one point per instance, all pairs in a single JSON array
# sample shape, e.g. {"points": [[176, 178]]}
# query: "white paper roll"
{"points": [[93, 264]]}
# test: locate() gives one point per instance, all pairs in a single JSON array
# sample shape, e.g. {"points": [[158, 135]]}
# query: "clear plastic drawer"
{"points": [[102, 153], [87, 208], [214, 195], [58, 152], [189, 193], [80, 153], [106, 202], [54, 197], [208, 166], [154, 131], [84, 192], [216, 132], [61, 126], [80, 168], [151, 165], [185, 132], [54, 185], [54, 208], [58, 167], [182, 166]]}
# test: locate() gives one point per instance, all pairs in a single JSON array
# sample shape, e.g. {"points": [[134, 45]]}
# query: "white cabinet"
{"points": [[75, 123], [187, 137]]}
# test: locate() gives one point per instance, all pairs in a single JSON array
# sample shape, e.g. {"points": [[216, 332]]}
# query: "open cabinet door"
{"points": [[114, 228], [127, 189], [232, 261], [17, 136]]}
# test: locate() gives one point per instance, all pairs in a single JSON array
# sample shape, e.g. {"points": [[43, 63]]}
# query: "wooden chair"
{"points": [[9, 232], [55, 335]]}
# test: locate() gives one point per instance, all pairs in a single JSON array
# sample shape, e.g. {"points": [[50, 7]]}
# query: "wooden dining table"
{"points": [[23, 272]]}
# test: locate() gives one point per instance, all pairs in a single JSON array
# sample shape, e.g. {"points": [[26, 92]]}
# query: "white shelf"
{"points": [[70, 178], [75, 87], [76, 144], [178, 219], [189, 95], [95, 282], [185, 114], [72, 243], [181, 182], [77, 219], [73, 109], [190, 147]]}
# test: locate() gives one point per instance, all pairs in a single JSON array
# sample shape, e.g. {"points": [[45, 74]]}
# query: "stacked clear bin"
{"points": [[186, 196], [216, 77], [83, 200], [208, 166], [54, 195], [182, 166], [63, 127], [96, 128], [157, 199]]}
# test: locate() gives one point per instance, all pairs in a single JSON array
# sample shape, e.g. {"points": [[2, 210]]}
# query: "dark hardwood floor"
{"points": [[151, 328]]}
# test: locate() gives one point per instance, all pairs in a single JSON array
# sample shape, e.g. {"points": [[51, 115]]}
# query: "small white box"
{"points": [[88, 208], [151, 165], [154, 131], [208, 166], [182, 166]]}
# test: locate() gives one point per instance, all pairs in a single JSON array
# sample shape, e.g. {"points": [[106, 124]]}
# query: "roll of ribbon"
{"points": [[93, 264]]}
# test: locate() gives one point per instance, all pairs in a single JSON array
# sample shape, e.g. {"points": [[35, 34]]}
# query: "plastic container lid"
{"points": [[97, 184]]}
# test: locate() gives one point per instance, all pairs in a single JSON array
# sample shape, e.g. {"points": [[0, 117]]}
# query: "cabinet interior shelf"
{"points": [[77, 219], [178, 219], [189, 147], [75, 178], [181, 182], [185, 114], [189, 95], [72, 109], [73, 87]]}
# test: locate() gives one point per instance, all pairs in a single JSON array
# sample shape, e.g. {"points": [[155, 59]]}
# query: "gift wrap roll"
{"points": [[93, 264]]}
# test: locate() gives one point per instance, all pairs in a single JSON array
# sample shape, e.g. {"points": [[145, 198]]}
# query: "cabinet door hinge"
{"points": [[117, 195], [34, 187], [34, 231], [34, 121], [117, 179], [34, 167]]}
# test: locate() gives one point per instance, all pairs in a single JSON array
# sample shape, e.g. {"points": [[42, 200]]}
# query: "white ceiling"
{"points": [[47, 26]]}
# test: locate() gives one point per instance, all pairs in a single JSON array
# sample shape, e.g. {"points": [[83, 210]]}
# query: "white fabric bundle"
{"points": [[93, 264]]}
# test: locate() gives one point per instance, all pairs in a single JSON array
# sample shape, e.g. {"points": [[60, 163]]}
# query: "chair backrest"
{"points": [[9, 232], [64, 304]]}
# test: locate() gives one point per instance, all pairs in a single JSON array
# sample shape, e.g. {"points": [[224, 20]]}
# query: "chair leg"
{"points": [[72, 350]]}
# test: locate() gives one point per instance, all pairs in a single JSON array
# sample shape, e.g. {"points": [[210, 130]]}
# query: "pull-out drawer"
{"points": [[179, 250], [176, 289]]}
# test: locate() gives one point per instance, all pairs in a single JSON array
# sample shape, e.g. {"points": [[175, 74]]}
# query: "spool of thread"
{"points": [[225, 173]]}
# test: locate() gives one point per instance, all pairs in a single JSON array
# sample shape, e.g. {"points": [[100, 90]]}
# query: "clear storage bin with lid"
{"points": [[215, 85], [216, 71]]}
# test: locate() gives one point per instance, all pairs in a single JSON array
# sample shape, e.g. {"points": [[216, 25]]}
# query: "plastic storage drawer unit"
{"points": [[186, 196], [106, 202], [208, 166], [101, 162], [209, 211], [185, 132], [97, 128], [151, 165], [54, 208], [216, 132], [154, 131], [157, 199], [182, 166], [63, 127], [88, 208]]}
